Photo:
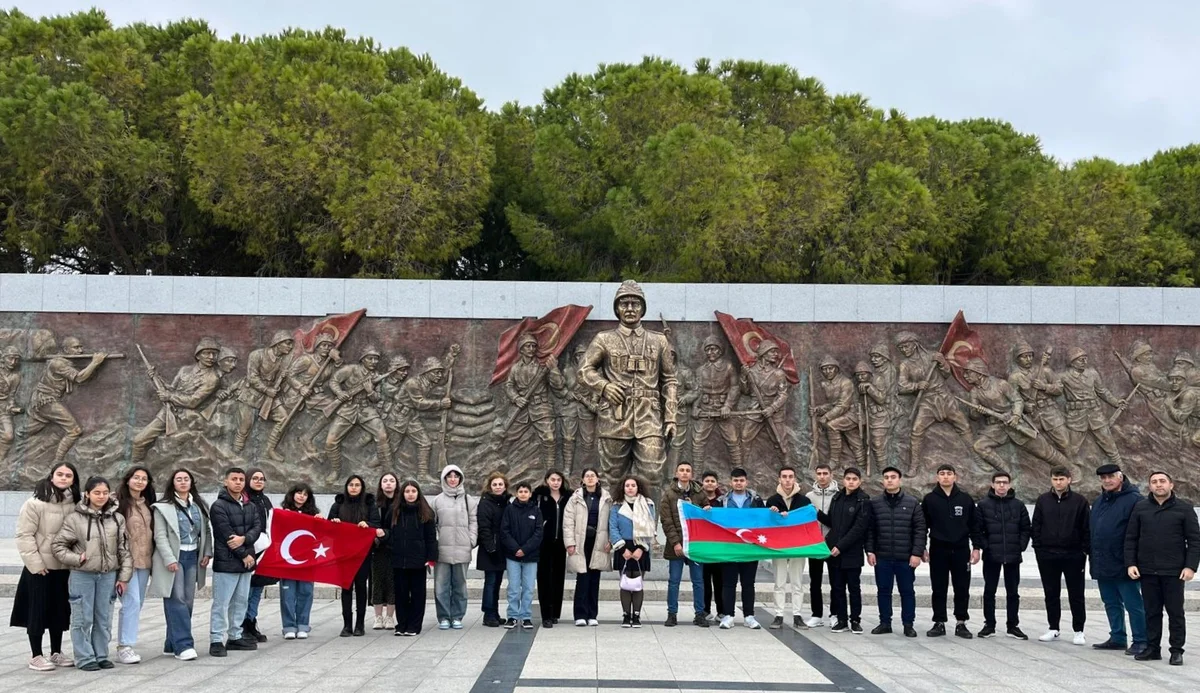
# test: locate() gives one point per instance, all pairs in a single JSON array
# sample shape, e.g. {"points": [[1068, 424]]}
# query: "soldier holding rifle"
{"points": [[59, 380]]}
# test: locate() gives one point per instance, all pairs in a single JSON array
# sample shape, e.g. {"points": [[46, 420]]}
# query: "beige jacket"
{"points": [[97, 536], [37, 524], [166, 549], [575, 521]]}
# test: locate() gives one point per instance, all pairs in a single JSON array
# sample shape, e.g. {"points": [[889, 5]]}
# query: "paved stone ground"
{"points": [[609, 658]]}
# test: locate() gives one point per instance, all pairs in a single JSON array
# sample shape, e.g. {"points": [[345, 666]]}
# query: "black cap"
{"points": [[1107, 469], [892, 469]]}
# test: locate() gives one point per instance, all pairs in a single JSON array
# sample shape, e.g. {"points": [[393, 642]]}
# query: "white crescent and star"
{"points": [[762, 538], [285, 549]]}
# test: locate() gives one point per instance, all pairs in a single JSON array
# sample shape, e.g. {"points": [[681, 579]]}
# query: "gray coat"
{"points": [[166, 549], [457, 528]]}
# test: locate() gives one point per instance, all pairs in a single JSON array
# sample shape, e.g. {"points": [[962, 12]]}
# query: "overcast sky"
{"points": [[1106, 78]]}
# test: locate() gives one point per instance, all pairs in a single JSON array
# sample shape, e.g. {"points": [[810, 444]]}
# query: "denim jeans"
{"points": [[450, 590], [178, 607], [230, 591], [675, 575], [91, 596], [1121, 595], [295, 605], [490, 601], [896, 571], [521, 578], [252, 602], [131, 607]]}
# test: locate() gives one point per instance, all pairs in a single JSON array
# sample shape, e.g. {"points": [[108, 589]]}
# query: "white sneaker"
{"points": [[593, 622], [187, 655], [581, 622], [456, 624], [1079, 639], [752, 623], [302, 635], [726, 622], [126, 655], [1049, 636], [444, 624], [40, 663], [289, 635], [389, 622], [378, 625], [815, 622]]}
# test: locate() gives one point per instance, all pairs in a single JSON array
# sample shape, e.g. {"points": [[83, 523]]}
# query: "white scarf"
{"points": [[643, 521]]}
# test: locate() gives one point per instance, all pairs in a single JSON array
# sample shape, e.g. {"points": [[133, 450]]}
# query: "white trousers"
{"points": [[788, 570]]}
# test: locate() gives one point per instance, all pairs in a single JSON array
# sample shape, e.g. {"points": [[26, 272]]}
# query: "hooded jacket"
{"points": [[1109, 521], [490, 512], [668, 510], [784, 503], [822, 498], [1004, 527], [37, 525], [457, 526], [845, 526], [99, 537], [413, 543], [521, 529], [575, 526], [232, 517], [1163, 539]]}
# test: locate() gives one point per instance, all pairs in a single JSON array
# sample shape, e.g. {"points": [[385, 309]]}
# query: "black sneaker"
{"points": [[960, 631], [882, 629], [510, 623], [1176, 659], [671, 621], [839, 626], [491, 622], [1134, 650], [938, 630], [244, 644], [988, 632], [527, 624], [216, 650], [626, 621], [105, 664], [856, 627], [798, 623], [359, 631], [346, 632], [1017, 633], [398, 632], [636, 620], [700, 621], [776, 623], [909, 631], [547, 623], [94, 666]]}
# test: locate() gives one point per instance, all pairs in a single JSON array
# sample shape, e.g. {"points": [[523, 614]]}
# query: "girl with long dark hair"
{"points": [[183, 548], [383, 592], [632, 526], [551, 498], [356, 506], [296, 596], [490, 558], [412, 534], [134, 498], [585, 533]]}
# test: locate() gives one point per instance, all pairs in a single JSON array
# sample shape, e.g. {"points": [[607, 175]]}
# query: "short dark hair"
{"points": [[682, 463], [997, 475], [824, 466], [1159, 471], [787, 468], [709, 473], [946, 467], [523, 485], [737, 473], [852, 471], [1060, 471], [892, 469], [234, 470]]}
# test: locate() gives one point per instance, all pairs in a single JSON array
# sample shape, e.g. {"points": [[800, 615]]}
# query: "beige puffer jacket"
{"points": [[97, 535], [575, 521], [37, 525]]}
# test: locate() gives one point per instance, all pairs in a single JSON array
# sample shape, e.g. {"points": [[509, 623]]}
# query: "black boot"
{"points": [[258, 634]]}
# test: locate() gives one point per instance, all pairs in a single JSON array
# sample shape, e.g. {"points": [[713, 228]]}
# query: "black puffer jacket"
{"points": [[488, 516], [413, 543], [897, 527], [1163, 539], [264, 506], [233, 518], [1005, 524], [345, 510], [847, 520]]}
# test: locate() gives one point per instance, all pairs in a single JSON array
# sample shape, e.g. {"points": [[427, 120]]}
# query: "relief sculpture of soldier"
{"points": [[357, 392], [1152, 384], [630, 368], [415, 395], [189, 390], [10, 382], [991, 396], [59, 380], [1184, 406], [265, 372], [307, 381], [229, 385], [1039, 388], [689, 394], [578, 410], [881, 410], [1083, 390], [923, 376], [718, 389], [839, 415], [767, 383], [1185, 361], [529, 388]]}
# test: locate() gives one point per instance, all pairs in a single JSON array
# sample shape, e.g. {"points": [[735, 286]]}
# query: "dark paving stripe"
{"points": [[680, 685], [504, 667], [843, 677]]}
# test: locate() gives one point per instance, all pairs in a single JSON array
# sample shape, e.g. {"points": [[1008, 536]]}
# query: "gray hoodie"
{"points": [[821, 498], [454, 511]]}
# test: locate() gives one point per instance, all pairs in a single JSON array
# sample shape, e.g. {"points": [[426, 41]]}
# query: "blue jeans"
{"points": [[450, 591], [178, 607], [252, 602], [490, 602], [230, 591], [131, 607], [521, 578], [675, 575], [897, 571], [91, 596], [1121, 595], [295, 605]]}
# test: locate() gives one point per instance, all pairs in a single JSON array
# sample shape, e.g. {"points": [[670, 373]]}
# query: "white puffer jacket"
{"points": [[455, 513], [37, 524]]}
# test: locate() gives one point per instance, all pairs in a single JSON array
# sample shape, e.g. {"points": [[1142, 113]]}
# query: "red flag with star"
{"points": [[338, 326], [312, 549], [553, 331], [745, 336], [960, 346]]}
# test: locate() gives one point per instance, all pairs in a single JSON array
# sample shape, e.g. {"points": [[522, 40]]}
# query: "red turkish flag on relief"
{"points": [[745, 336], [961, 345], [553, 331], [311, 549], [338, 326]]}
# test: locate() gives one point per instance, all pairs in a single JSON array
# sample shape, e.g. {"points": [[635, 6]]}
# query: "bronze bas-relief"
{"points": [[396, 395]]}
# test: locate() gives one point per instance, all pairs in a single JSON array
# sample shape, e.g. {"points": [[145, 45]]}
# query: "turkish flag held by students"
{"points": [[336, 325], [745, 336], [961, 345], [553, 331], [311, 549]]}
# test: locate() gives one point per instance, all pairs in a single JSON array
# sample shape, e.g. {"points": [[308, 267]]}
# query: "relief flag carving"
{"points": [[553, 332], [745, 336], [960, 346]]}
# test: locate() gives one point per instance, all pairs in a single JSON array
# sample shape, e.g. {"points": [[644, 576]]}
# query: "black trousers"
{"points": [[1053, 571], [1012, 597], [714, 588], [841, 581], [816, 567], [551, 578], [587, 595], [410, 598], [359, 596], [744, 572], [1159, 591], [950, 564]]}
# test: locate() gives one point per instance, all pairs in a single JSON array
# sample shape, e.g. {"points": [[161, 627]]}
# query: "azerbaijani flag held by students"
{"points": [[722, 535]]}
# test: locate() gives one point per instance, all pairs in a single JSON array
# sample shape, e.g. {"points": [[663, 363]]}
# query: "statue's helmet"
{"points": [[977, 365], [397, 363], [764, 347], [862, 367], [226, 353], [904, 337], [432, 363], [371, 350], [281, 336], [206, 344], [1074, 353]]}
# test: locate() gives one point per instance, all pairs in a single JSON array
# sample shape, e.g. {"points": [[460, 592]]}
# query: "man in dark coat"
{"points": [[1162, 549], [895, 545], [1004, 528], [236, 525], [953, 527], [849, 513], [1061, 542], [1109, 521]]}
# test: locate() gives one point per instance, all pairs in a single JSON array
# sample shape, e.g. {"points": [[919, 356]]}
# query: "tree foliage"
{"points": [[166, 149]]}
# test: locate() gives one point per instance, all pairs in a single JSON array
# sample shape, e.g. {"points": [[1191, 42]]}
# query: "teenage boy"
{"points": [[846, 521], [687, 490], [740, 571], [1062, 541], [714, 585], [953, 526], [821, 495], [895, 545], [236, 525], [1004, 527], [788, 571]]}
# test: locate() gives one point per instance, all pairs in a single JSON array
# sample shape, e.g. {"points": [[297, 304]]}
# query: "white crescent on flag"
{"points": [[285, 548]]}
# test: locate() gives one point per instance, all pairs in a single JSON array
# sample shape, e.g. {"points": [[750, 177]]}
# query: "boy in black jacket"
{"points": [[1062, 541], [953, 526], [849, 513], [521, 535], [1004, 524]]}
